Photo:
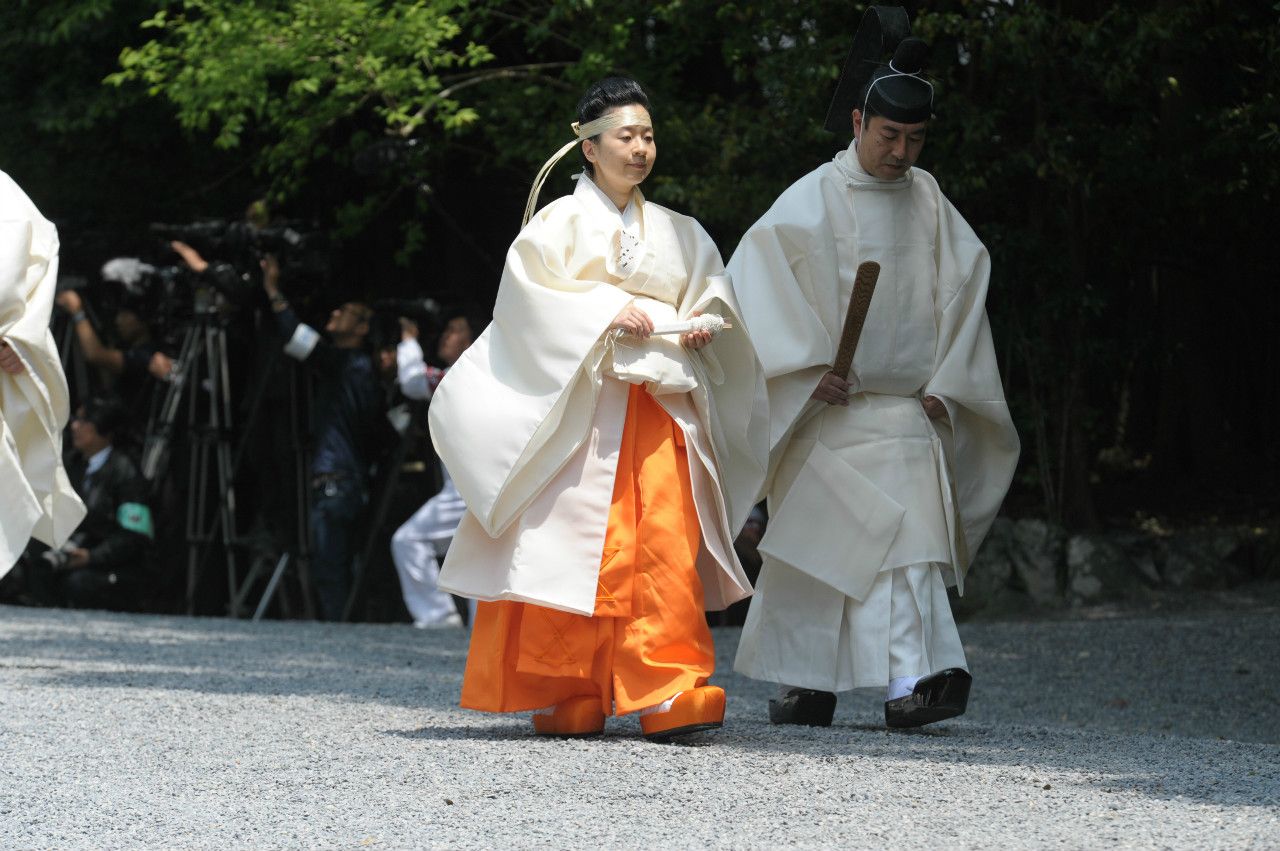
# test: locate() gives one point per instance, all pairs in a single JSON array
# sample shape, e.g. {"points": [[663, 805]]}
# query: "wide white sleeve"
{"points": [[525, 390], [39, 501], [783, 268], [978, 434], [734, 379]]}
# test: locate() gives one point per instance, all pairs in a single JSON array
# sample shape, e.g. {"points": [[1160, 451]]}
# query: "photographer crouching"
{"points": [[105, 564], [346, 416]]}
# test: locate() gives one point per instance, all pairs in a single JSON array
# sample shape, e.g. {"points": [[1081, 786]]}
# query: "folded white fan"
{"points": [[705, 322]]}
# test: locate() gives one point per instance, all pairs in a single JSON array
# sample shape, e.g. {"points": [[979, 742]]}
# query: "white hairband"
{"points": [[627, 116]]}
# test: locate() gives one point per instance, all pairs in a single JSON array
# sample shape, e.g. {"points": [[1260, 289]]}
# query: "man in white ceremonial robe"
{"points": [[882, 487], [38, 500]]}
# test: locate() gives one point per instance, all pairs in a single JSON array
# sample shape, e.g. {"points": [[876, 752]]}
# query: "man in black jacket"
{"points": [[104, 564], [347, 419]]}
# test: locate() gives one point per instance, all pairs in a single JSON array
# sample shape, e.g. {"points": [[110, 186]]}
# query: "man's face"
{"points": [[387, 362], [454, 340], [129, 326], [348, 321], [85, 436], [887, 149]]}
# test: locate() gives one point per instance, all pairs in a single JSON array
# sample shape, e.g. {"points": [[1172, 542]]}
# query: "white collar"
{"points": [[97, 460], [857, 177], [593, 196]]}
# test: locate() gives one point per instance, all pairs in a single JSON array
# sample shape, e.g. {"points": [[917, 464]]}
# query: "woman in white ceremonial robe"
{"points": [[880, 490], [39, 501], [606, 465]]}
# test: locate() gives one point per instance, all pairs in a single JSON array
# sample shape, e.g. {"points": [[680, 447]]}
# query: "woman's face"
{"points": [[622, 157]]}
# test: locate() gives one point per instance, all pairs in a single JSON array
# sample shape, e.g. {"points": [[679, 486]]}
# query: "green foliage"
{"points": [[299, 74]]}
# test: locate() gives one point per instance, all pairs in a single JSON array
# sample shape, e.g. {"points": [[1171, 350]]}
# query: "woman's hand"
{"points": [[934, 407], [695, 339], [634, 321]]}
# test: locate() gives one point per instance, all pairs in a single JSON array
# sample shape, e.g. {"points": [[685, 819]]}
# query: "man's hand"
{"points": [[270, 275], [634, 321], [9, 360], [160, 366], [934, 407], [190, 256], [70, 301], [78, 558], [408, 329], [833, 390]]}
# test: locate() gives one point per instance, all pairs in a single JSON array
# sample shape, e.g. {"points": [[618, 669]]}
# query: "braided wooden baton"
{"points": [[864, 287]]}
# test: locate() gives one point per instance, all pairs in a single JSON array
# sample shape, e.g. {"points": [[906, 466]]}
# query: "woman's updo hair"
{"points": [[605, 95]]}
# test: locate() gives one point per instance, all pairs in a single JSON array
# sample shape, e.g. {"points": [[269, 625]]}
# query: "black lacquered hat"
{"points": [[894, 90]]}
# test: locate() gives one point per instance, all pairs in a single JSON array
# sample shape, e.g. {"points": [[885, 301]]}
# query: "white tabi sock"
{"points": [[665, 706], [900, 687]]}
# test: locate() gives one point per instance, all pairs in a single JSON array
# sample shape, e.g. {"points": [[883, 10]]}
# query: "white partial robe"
{"points": [[38, 499], [858, 492], [529, 421]]}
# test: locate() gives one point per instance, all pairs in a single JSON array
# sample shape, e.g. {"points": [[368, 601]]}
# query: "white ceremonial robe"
{"points": [[38, 499], [857, 492], [529, 420]]}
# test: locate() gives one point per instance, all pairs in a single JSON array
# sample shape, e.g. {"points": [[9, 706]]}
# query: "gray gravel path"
{"points": [[121, 731]]}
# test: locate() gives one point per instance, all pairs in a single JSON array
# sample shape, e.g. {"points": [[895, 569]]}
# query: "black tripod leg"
{"points": [[381, 507]]}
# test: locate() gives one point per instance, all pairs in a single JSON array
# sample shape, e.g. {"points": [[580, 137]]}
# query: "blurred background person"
{"points": [[421, 541], [129, 366], [106, 562], [346, 421]]}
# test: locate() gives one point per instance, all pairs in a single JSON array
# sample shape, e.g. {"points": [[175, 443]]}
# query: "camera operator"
{"points": [[221, 275], [104, 565], [138, 357], [421, 541], [346, 416]]}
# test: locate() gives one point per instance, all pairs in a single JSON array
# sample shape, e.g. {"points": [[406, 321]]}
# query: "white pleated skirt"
{"points": [[801, 632]]}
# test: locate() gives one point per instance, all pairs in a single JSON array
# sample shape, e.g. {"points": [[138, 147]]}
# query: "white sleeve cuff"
{"points": [[302, 343]]}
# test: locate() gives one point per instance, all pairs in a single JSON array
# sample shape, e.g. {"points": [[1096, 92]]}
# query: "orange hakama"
{"points": [[648, 637]]}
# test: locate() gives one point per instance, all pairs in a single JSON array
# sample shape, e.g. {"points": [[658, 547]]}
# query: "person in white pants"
{"points": [[419, 545]]}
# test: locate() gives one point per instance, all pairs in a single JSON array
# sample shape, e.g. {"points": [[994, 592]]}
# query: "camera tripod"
{"points": [[201, 365], [295, 556]]}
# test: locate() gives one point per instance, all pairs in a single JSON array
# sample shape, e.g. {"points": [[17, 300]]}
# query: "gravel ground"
{"points": [[127, 731]]}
